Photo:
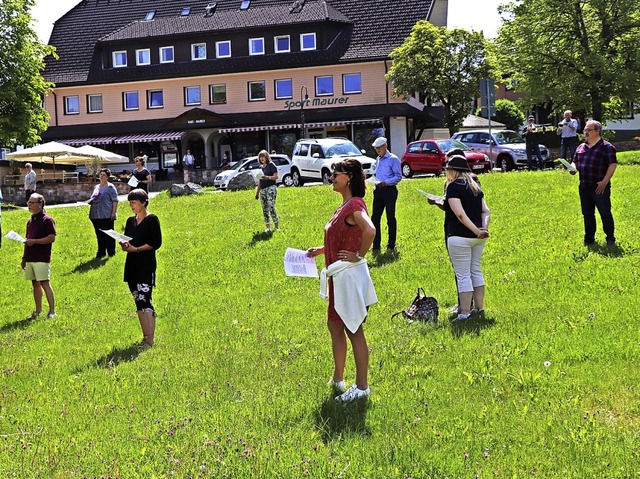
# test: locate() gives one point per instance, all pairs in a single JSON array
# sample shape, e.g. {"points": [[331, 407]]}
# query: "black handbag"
{"points": [[422, 308]]}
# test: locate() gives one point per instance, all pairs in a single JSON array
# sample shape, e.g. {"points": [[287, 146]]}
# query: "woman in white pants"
{"points": [[467, 231]]}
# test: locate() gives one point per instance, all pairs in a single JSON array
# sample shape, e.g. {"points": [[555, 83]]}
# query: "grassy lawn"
{"points": [[547, 386]]}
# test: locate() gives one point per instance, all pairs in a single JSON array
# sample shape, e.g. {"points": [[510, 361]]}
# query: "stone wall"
{"points": [[55, 193]]}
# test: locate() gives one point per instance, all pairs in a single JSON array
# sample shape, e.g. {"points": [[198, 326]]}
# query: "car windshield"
{"points": [[504, 137], [448, 145], [249, 165], [342, 149]]}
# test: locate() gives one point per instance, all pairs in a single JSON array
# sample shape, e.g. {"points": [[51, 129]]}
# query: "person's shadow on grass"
{"points": [[85, 266], [335, 418], [380, 259], [260, 236], [21, 324], [116, 356], [474, 325]]}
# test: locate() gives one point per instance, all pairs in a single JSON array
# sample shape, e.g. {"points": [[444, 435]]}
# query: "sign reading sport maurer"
{"points": [[289, 104]]}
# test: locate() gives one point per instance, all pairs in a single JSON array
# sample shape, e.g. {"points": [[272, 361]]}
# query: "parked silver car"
{"points": [[251, 164], [508, 148]]}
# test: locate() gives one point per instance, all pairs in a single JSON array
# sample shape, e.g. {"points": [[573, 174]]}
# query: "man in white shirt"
{"points": [[29, 182], [188, 160], [568, 129]]}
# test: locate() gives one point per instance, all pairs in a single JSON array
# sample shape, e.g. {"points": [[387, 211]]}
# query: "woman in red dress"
{"points": [[347, 238]]}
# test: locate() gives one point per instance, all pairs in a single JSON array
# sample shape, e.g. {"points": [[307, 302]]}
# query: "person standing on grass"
{"points": [[596, 161], [140, 266], [347, 238], [467, 231], [29, 182], [36, 259], [385, 194], [267, 190], [532, 139], [102, 213], [568, 130], [142, 174]]}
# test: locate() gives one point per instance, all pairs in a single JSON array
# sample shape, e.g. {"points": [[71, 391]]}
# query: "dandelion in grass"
{"points": [[547, 364]]}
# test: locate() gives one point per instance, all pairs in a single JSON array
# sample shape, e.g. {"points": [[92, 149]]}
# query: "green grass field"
{"points": [[547, 386]]}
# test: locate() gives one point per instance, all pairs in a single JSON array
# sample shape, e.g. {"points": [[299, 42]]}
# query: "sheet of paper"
{"points": [[297, 263], [569, 166], [119, 237], [12, 235], [133, 181], [259, 175], [373, 180], [437, 199]]}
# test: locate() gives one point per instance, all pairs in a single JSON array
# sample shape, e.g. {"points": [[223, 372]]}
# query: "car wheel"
{"points": [[296, 178], [506, 164], [326, 177], [287, 180], [406, 170]]}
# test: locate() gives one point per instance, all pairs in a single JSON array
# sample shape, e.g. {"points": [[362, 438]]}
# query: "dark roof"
{"points": [[372, 29]]}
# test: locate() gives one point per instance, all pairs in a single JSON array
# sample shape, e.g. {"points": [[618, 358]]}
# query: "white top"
{"points": [[569, 128]]}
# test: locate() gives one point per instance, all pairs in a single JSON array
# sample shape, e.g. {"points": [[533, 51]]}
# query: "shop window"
{"points": [[284, 89], [191, 95], [223, 49], [199, 51], [155, 99], [307, 41], [143, 57], [282, 44], [256, 46], [71, 105], [119, 59], [324, 85], [130, 100], [94, 103], [257, 91], [166, 55], [351, 83], [217, 94]]}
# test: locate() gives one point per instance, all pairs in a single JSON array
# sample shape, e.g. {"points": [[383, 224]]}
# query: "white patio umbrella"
{"points": [[104, 155], [51, 152]]}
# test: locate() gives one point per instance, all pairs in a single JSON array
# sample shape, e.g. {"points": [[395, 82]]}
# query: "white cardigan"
{"points": [[352, 288]]}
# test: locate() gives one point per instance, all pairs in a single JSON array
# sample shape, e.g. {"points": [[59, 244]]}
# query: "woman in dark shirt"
{"points": [[267, 190], [467, 222], [142, 174], [140, 265]]}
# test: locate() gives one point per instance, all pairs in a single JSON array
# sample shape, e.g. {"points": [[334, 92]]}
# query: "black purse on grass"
{"points": [[422, 308]]}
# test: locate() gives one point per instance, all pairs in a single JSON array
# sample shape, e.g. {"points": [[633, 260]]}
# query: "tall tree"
{"points": [[580, 54], [22, 86], [443, 65]]}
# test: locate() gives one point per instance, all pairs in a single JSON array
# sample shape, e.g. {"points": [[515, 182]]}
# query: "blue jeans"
{"points": [[589, 201]]}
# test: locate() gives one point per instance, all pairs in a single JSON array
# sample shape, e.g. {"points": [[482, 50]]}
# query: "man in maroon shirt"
{"points": [[36, 259], [596, 161]]}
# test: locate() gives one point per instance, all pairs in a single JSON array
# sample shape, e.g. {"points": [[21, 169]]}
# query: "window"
{"points": [[217, 94], [143, 57], [130, 100], [324, 85], [351, 83], [414, 147], [282, 44], [166, 54], [149, 16], [257, 91], [245, 4], [185, 11], [284, 89], [192, 95], [71, 105], [256, 46], [155, 99], [223, 49], [119, 59], [307, 41], [199, 51], [94, 103]]}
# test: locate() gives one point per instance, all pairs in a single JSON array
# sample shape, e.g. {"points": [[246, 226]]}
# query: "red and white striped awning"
{"points": [[242, 129], [99, 140], [144, 137]]}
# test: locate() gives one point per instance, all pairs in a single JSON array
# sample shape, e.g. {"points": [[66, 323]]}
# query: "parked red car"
{"points": [[429, 156]]}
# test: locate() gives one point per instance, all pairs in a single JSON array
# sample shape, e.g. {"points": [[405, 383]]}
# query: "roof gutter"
{"points": [[55, 108]]}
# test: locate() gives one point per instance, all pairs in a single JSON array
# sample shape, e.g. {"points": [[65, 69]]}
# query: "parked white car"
{"points": [[251, 164], [313, 159]]}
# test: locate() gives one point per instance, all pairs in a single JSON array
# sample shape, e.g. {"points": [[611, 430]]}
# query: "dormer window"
{"points": [[256, 46], [199, 51], [282, 44], [210, 9], [223, 49], [119, 59], [149, 16], [245, 4], [307, 41], [185, 11], [143, 57]]}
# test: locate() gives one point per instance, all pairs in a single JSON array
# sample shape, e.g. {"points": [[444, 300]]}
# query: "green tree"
{"points": [[580, 54], [507, 112], [443, 65], [22, 86]]}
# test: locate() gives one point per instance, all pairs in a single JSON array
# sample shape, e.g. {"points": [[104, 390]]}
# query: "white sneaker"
{"points": [[51, 315], [340, 385], [267, 230], [353, 393]]}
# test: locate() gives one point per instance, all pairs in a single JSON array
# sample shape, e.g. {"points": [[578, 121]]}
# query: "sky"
{"points": [[470, 14]]}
